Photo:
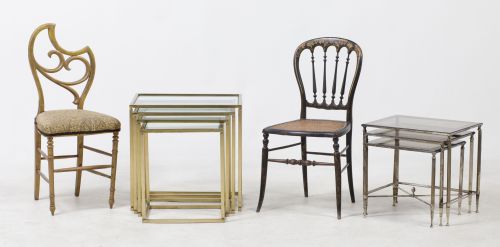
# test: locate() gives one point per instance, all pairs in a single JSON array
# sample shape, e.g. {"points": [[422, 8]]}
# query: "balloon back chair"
{"points": [[69, 122], [305, 127]]}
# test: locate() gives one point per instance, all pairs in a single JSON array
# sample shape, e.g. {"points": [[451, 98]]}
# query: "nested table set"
{"points": [[426, 135], [186, 113]]}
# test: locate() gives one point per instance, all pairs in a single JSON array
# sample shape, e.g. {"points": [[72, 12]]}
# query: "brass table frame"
{"points": [[233, 113], [449, 141], [147, 197]]}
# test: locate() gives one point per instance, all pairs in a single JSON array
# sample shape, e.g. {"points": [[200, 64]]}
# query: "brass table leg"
{"points": [[233, 164], [142, 177], [240, 159], [146, 170], [132, 123], [228, 180], [223, 178]]}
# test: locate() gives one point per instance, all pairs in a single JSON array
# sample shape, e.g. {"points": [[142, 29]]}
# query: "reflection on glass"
{"points": [[422, 124]]}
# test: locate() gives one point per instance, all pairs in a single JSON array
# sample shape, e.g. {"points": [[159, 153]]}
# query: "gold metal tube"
{"points": [[222, 178], [227, 151], [146, 166], [233, 164], [132, 159], [240, 158], [182, 221]]}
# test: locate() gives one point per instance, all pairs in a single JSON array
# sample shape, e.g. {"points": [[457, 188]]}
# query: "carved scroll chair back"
{"points": [[337, 79], [68, 122], [65, 58]]}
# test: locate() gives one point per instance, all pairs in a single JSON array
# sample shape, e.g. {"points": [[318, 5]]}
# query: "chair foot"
{"points": [[349, 166], [263, 176], [304, 180], [338, 177], [303, 145]]}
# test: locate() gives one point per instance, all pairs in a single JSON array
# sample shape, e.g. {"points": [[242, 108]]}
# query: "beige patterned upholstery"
{"points": [[71, 122]]}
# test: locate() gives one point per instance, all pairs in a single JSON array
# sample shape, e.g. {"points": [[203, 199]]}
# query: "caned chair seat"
{"points": [[71, 122], [310, 127]]}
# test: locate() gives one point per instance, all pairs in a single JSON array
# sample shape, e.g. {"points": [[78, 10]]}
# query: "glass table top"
{"points": [[183, 119], [186, 100], [184, 111], [410, 145], [422, 124], [417, 136], [182, 126]]}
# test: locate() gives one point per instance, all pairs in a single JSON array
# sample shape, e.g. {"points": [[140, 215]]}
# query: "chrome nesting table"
{"points": [[186, 113], [426, 135]]}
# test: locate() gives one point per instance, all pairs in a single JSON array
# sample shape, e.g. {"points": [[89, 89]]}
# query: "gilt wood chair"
{"points": [[305, 127], [69, 122]]}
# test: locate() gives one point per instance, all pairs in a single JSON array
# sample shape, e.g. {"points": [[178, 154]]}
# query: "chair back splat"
{"points": [[339, 77], [65, 58]]}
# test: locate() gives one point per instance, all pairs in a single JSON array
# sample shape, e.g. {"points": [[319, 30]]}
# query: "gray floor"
{"points": [[287, 218]]}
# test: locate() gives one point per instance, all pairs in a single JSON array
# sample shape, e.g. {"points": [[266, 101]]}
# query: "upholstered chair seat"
{"points": [[75, 121]]}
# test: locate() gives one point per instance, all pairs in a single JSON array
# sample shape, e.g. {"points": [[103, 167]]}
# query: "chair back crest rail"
{"points": [[65, 58], [339, 77]]}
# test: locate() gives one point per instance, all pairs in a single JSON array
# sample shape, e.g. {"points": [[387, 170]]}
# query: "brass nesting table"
{"points": [[186, 113], [425, 135]]}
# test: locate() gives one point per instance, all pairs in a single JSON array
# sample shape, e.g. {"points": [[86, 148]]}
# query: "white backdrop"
{"points": [[428, 58]]}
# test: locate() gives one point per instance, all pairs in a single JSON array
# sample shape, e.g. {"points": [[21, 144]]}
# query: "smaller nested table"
{"points": [[186, 113], [426, 135]]}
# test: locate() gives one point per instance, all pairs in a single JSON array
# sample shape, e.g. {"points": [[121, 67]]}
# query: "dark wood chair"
{"points": [[305, 127]]}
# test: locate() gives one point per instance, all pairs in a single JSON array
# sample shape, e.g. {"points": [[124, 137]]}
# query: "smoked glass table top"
{"points": [[417, 136], [143, 100], [410, 145], [421, 124]]}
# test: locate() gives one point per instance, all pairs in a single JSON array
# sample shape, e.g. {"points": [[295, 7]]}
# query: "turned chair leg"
{"points": [[263, 176], [50, 159], [79, 163], [38, 159], [349, 165], [338, 177], [303, 146], [113, 169]]}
